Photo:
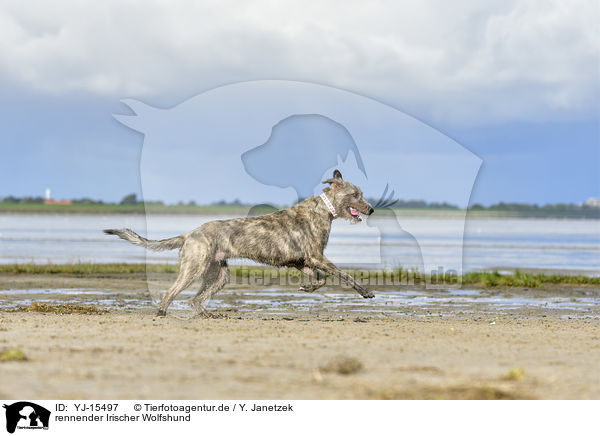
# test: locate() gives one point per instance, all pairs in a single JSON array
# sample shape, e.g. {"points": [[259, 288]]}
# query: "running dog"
{"points": [[295, 238]]}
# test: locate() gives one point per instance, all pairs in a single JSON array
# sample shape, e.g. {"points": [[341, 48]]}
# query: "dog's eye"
{"points": [[356, 195]]}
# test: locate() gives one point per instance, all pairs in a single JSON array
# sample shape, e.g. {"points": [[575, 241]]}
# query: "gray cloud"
{"points": [[457, 61]]}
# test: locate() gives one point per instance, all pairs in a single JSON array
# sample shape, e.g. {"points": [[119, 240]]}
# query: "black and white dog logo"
{"points": [[26, 415]]}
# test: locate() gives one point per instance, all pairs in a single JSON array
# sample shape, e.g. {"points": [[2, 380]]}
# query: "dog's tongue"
{"points": [[353, 211]]}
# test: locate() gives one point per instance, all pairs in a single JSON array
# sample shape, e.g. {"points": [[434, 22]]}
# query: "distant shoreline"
{"points": [[240, 210]]}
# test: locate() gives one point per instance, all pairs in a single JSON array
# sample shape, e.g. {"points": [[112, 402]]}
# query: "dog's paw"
{"points": [[306, 289], [367, 294]]}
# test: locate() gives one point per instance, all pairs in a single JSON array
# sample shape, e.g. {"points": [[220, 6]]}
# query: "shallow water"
{"points": [[568, 245], [275, 301]]}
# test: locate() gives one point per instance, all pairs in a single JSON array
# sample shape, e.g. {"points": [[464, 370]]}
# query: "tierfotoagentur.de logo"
{"points": [[24, 415]]}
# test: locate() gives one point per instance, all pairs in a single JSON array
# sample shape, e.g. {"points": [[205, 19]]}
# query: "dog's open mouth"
{"points": [[354, 213]]}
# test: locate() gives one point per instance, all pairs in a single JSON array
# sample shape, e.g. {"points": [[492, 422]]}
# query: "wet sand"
{"points": [[278, 343]]}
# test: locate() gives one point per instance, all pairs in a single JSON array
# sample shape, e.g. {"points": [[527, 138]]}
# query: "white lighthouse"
{"points": [[47, 194]]}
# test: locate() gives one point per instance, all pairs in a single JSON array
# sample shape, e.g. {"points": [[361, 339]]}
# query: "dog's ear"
{"points": [[337, 179]]}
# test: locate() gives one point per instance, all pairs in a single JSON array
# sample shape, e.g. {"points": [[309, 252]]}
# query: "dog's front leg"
{"points": [[325, 265], [315, 277]]}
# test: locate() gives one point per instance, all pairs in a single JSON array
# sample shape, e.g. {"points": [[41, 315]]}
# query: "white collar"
{"points": [[328, 204]]}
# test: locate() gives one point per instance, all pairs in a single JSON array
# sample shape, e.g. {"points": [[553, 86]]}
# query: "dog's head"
{"points": [[347, 199]]}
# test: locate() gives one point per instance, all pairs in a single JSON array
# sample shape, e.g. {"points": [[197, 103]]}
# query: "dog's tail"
{"points": [[134, 238]]}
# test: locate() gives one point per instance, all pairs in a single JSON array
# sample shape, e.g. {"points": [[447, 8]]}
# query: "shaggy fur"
{"points": [[294, 237]]}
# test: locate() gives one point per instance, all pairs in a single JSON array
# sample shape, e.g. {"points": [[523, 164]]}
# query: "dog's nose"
{"points": [[371, 210]]}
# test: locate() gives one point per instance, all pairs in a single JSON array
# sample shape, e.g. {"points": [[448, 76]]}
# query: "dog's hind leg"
{"points": [[316, 279], [193, 263], [213, 279]]}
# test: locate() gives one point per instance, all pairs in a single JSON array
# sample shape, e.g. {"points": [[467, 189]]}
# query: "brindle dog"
{"points": [[294, 237]]}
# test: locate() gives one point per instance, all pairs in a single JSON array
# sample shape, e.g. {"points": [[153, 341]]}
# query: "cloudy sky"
{"points": [[515, 82]]}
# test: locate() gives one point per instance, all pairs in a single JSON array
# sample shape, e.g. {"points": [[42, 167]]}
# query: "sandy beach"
{"points": [[275, 343]]}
